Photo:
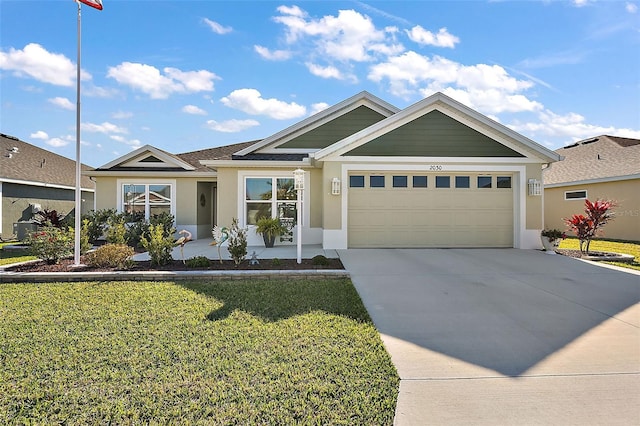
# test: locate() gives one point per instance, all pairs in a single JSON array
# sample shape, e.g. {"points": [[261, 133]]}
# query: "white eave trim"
{"points": [[434, 160], [154, 173], [590, 181], [316, 120], [43, 184], [440, 102]]}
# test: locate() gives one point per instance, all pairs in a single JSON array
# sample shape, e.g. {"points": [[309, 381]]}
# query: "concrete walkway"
{"points": [[504, 336]]}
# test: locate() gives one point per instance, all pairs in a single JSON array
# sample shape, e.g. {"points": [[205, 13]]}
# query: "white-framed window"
{"points": [[146, 198], [270, 197], [575, 195]]}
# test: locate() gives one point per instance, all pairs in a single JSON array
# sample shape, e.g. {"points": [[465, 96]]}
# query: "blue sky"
{"points": [[189, 75]]}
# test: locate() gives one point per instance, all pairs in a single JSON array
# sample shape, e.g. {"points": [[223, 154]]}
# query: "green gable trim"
{"points": [[434, 135], [335, 130]]}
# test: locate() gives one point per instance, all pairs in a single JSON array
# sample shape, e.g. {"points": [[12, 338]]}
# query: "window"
{"points": [[142, 201], [419, 181], [400, 182], [575, 195], [443, 181], [356, 181], [484, 181], [376, 181], [462, 182], [270, 197], [503, 182]]}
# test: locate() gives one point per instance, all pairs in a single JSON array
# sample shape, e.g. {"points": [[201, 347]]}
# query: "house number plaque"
{"points": [[435, 168]]}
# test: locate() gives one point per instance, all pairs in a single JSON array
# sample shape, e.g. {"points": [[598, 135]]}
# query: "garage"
{"points": [[403, 209]]}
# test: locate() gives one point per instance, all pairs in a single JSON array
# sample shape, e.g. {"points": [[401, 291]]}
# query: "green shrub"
{"points": [[237, 242], [116, 230], [320, 260], [198, 262], [97, 222], [276, 262], [135, 231], [158, 245], [111, 256], [51, 244], [85, 245], [166, 220]]}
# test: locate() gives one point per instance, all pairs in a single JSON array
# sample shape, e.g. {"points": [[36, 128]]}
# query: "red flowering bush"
{"points": [[51, 244], [598, 214]]}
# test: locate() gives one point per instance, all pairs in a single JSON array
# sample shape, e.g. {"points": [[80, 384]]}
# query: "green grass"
{"points": [[240, 352], [8, 257], [609, 246]]}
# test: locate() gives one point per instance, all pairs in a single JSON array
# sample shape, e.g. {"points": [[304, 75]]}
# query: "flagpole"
{"points": [[78, 208]]}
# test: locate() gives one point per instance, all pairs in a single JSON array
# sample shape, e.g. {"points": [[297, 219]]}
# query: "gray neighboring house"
{"points": [[33, 178]]}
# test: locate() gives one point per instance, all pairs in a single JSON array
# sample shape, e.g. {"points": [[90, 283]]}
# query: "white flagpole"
{"points": [[76, 250]]}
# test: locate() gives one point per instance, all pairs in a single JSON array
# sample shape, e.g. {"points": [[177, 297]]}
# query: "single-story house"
{"points": [[435, 174], [32, 179], [605, 167]]}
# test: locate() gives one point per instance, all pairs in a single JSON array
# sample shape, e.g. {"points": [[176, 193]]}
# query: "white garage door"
{"points": [[430, 210]]}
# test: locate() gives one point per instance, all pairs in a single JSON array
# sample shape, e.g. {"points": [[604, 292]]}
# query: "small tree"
{"points": [[159, 245], [237, 242], [598, 214]]}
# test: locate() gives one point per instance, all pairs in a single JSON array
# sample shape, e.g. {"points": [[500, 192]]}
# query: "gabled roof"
{"points": [[21, 162], [148, 157], [599, 158], [452, 108], [361, 99]]}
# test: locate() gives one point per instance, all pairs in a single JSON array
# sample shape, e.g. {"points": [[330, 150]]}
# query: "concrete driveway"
{"points": [[504, 336]]}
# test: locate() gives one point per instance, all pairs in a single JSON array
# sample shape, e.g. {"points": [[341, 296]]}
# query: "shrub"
{"points": [[598, 214], [159, 245], [237, 242], [85, 245], [51, 244], [276, 262], [166, 220], [320, 260], [135, 231], [116, 230], [48, 217], [198, 262], [111, 256], [97, 223]]}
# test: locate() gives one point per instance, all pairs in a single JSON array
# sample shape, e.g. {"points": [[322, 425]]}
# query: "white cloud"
{"points": [[487, 88], [272, 55], [39, 135], [57, 142], [317, 107], [251, 102], [570, 126], [192, 109], [216, 27], [631, 7], [325, 72], [105, 127], [580, 3], [231, 126], [442, 39], [133, 143], [36, 62], [62, 103], [122, 115], [149, 80]]}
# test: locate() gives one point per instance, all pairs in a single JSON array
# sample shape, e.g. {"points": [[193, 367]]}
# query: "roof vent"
{"points": [[588, 141], [572, 145]]}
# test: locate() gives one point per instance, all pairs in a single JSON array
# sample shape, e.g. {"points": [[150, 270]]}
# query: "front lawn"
{"points": [[9, 256], [236, 352], [608, 246]]}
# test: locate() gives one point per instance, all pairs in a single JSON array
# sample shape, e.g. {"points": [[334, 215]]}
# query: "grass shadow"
{"points": [[274, 300]]}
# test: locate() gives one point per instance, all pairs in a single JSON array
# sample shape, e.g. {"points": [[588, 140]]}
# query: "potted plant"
{"points": [[269, 228], [551, 239]]}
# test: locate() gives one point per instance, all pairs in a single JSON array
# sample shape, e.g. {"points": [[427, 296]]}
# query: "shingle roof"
{"points": [[595, 158], [217, 153], [30, 163]]}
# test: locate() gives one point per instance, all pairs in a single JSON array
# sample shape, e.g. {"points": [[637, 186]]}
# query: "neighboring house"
{"points": [[435, 174], [33, 179], [604, 167]]}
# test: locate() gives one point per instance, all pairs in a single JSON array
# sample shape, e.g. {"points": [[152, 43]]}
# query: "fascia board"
{"points": [[433, 160], [316, 120], [42, 184]]}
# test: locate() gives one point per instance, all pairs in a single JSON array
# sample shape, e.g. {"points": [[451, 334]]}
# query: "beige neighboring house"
{"points": [[435, 174], [604, 167], [32, 179]]}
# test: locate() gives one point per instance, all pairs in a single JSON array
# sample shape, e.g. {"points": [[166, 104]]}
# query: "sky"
{"points": [[189, 75]]}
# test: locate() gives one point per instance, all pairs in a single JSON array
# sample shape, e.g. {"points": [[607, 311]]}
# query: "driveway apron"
{"points": [[504, 336]]}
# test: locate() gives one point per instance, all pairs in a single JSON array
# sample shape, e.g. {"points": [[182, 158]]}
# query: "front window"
{"points": [[270, 197], [142, 201]]}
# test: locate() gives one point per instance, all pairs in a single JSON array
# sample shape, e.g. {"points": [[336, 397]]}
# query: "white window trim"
{"points": [[576, 199], [171, 182]]}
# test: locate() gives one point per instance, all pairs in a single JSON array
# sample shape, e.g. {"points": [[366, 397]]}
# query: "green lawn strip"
{"points": [[608, 246], [240, 352], [8, 257]]}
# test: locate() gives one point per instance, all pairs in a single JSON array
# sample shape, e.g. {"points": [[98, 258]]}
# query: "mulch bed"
{"points": [[66, 265]]}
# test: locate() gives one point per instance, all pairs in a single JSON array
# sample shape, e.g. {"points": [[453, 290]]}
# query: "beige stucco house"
{"points": [[435, 174], [603, 167]]}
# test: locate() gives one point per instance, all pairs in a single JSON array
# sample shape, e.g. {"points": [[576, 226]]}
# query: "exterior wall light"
{"points": [[535, 187], [335, 186]]}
